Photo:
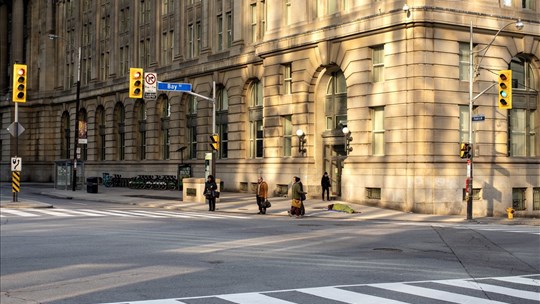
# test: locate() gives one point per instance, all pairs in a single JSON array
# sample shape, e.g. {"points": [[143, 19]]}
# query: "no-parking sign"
{"points": [[150, 86]]}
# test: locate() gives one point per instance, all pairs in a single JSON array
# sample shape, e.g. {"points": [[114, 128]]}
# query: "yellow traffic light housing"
{"points": [[465, 150], [135, 83], [214, 142], [505, 89], [19, 82]]}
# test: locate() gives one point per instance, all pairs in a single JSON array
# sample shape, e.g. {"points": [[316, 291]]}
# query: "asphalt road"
{"points": [[85, 252]]}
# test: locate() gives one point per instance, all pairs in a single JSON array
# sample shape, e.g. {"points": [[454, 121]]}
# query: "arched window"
{"points": [[222, 109], [141, 138], [65, 139], [256, 136], [523, 121], [100, 133], [83, 134], [191, 121], [165, 127], [336, 102], [119, 131]]}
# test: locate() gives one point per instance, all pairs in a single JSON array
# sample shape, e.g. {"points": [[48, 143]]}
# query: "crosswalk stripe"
{"points": [[520, 280], [52, 212], [346, 296], [433, 293], [250, 298], [17, 212], [140, 213], [338, 294], [493, 288], [108, 213], [80, 212]]}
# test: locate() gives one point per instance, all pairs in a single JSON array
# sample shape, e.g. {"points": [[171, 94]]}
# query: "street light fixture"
{"points": [[77, 106], [473, 72], [348, 139]]}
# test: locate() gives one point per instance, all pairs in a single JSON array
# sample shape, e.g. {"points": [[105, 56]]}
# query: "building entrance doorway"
{"points": [[334, 155]]}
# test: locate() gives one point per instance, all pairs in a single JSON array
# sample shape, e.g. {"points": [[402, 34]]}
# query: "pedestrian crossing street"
{"points": [[128, 213], [496, 290]]}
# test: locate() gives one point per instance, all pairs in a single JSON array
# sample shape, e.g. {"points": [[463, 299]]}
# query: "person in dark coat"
{"points": [[262, 195], [325, 184], [210, 189]]}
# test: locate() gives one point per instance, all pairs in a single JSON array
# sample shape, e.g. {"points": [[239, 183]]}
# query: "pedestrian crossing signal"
{"points": [[19, 82], [135, 83], [465, 150], [214, 142], [505, 89]]}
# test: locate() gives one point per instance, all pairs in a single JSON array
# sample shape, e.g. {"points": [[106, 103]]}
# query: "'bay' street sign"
{"points": [[478, 118], [177, 87]]}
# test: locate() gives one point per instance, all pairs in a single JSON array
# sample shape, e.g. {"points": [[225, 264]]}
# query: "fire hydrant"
{"points": [[510, 213]]}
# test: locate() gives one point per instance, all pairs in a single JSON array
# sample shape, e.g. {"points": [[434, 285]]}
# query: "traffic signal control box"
{"points": [[135, 83], [20, 72], [505, 89]]}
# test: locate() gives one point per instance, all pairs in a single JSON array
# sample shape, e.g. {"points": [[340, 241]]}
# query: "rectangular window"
{"points": [[373, 193], [192, 142], [287, 78], [378, 63], [256, 138], [253, 9], [167, 47], [377, 116], [287, 135], [229, 29], [518, 198], [464, 54], [224, 141], [464, 119], [199, 39], [101, 142], [518, 135], [219, 23], [191, 41], [536, 198]]}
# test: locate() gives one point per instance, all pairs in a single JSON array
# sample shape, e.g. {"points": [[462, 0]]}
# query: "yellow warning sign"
{"points": [[16, 181]]}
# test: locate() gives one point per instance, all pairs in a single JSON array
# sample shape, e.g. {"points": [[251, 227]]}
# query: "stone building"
{"points": [[291, 77]]}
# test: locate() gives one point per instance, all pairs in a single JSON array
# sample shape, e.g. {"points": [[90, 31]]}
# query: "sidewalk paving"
{"points": [[234, 202]]}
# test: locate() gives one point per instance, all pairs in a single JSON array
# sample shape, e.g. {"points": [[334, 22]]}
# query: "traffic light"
{"points": [[465, 150], [135, 83], [19, 82], [214, 142], [505, 89]]}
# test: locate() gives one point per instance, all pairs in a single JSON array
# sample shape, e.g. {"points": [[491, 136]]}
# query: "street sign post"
{"points": [[175, 87]]}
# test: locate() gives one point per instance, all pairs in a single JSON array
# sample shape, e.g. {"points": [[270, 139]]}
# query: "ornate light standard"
{"points": [[77, 106], [473, 71]]}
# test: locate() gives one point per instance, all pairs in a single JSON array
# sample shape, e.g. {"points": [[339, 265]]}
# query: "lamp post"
{"points": [[473, 71], [348, 138], [77, 106], [301, 140]]}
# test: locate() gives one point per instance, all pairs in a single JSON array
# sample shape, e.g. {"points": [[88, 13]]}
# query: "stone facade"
{"points": [[396, 78]]}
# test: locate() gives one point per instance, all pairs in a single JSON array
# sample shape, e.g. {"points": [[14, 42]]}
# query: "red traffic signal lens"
{"points": [[137, 75], [21, 72], [503, 77]]}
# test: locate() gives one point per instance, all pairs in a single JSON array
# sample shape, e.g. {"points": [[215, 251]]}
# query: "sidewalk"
{"points": [[236, 203]]}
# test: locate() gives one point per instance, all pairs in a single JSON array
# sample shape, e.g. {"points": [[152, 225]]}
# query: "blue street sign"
{"points": [[478, 118], [177, 87]]}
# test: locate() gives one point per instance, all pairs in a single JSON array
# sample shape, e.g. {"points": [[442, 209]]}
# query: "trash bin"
{"points": [[92, 185]]}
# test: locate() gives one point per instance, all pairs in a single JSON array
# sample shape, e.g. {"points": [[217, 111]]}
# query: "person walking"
{"points": [[325, 184], [262, 195], [210, 191], [297, 194]]}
